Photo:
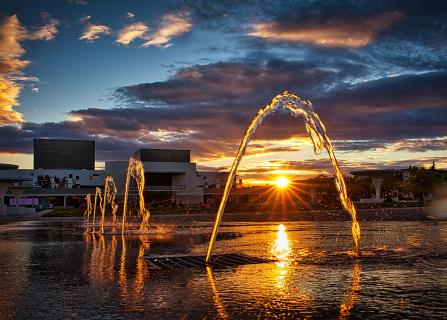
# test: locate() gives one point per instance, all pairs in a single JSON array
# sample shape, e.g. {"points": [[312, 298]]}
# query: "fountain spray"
{"points": [[135, 170], [97, 195], [109, 198], [88, 210], [320, 139]]}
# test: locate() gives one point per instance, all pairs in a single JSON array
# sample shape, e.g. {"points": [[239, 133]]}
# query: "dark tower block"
{"points": [[64, 154]]}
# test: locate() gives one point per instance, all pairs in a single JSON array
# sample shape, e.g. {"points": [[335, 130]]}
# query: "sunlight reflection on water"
{"points": [[56, 271]]}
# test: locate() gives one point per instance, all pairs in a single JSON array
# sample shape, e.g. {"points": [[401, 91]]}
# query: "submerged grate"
{"points": [[217, 261]]}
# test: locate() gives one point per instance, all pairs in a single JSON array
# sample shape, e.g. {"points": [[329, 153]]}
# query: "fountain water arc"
{"points": [[320, 139]]}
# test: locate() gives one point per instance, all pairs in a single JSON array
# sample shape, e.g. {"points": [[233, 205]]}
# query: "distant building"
{"points": [[170, 177], [214, 179], [64, 154], [394, 177]]}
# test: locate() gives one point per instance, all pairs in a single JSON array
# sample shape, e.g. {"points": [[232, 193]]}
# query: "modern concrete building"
{"points": [[63, 175], [58, 187], [169, 176]]}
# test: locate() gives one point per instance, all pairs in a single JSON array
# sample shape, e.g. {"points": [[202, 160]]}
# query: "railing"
{"points": [[162, 188]]}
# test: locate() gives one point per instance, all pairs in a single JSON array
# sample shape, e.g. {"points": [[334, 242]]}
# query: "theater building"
{"points": [[170, 176], [64, 174]]}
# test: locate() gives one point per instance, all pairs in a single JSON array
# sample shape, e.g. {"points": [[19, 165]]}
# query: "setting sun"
{"points": [[282, 182]]}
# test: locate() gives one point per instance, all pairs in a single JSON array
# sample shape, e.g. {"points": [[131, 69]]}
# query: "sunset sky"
{"points": [[192, 74]]}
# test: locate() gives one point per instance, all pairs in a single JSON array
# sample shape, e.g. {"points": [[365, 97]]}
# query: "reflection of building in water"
{"points": [[353, 294]]}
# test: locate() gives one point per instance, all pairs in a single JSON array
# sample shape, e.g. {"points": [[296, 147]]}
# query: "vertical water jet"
{"points": [[88, 211], [109, 198], [135, 170], [97, 196]]}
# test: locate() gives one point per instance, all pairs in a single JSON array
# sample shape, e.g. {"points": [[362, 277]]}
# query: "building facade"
{"points": [[64, 154], [170, 177]]}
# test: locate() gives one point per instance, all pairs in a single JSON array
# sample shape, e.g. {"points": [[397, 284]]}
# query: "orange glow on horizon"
{"points": [[282, 182]]}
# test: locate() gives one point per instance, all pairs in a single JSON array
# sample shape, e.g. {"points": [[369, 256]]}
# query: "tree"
{"points": [[423, 181]]}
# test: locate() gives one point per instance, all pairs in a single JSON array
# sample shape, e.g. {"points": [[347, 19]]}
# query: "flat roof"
{"points": [[50, 139], [12, 180], [7, 166]]}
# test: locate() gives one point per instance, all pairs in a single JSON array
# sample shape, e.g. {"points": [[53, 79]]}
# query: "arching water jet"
{"points": [[320, 139]]}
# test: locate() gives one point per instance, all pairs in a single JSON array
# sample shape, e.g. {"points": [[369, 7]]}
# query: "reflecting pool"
{"points": [[51, 269]]}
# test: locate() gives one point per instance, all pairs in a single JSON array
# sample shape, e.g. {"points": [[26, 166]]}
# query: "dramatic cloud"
{"points": [[333, 32], [172, 25], [223, 82], [207, 108], [12, 34], [131, 32], [225, 96], [421, 145], [94, 31]]}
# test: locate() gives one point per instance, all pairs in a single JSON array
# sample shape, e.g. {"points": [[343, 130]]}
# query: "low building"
{"points": [[170, 177], [64, 173]]}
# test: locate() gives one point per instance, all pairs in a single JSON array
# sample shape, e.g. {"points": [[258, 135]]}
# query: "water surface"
{"points": [[49, 269]]}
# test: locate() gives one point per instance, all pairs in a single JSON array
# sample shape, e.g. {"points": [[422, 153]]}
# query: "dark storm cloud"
{"points": [[15, 140], [235, 81], [197, 102], [386, 109], [207, 108], [215, 101]]}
